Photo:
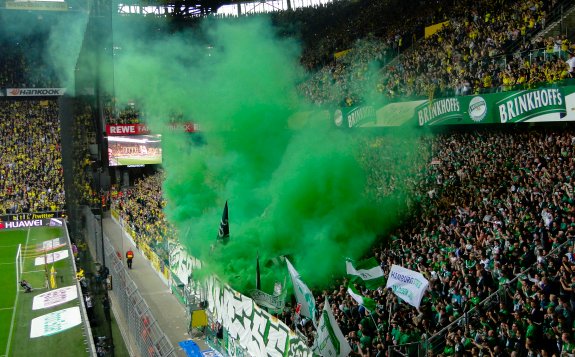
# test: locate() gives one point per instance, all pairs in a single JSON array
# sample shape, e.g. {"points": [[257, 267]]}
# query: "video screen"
{"points": [[134, 150]]}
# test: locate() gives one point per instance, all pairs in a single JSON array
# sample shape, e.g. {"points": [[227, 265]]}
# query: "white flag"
{"points": [[368, 271], [330, 341], [302, 293], [407, 284]]}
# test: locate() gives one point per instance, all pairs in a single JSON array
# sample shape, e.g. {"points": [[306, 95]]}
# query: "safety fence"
{"points": [[143, 331], [234, 324]]}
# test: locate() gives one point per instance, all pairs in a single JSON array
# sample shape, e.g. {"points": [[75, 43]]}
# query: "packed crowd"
{"points": [[469, 54], [84, 164], [128, 114], [496, 223], [493, 212], [335, 27], [31, 176], [492, 227], [486, 216], [141, 206], [23, 66], [352, 48]]}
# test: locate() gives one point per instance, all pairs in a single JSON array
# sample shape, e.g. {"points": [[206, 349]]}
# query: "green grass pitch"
{"points": [[16, 311], [139, 160]]}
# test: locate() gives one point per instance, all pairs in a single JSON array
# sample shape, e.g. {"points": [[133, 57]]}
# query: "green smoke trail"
{"points": [[49, 41], [64, 45], [291, 191]]}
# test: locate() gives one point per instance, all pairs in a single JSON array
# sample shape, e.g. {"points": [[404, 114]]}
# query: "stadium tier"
{"points": [[398, 179]]}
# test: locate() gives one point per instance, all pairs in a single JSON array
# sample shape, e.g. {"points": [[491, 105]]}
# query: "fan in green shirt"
{"points": [[449, 350], [531, 330]]}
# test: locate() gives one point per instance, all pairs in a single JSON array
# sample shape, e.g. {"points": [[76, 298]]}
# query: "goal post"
{"points": [[18, 264]]}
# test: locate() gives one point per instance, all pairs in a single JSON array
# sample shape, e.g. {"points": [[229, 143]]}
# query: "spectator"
{"points": [[31, 174]]}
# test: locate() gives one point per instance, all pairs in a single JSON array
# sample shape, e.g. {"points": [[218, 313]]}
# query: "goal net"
{"points": [[19, 264]]}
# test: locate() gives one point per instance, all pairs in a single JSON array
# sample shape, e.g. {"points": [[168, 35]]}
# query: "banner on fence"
{"points": [[266, 300], [250, 328], [31, 216]]}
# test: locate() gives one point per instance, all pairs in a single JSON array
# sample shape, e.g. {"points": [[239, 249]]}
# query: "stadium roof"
{"points": [[220, 7]]}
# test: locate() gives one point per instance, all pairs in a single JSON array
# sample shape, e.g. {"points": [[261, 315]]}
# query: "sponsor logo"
{"points": [[2, 225], [37, 5], [189, 127], [359, 115], [55, 322], [30, 216], [477, 109], [21, 224], [51, 257], [525, 105], [49, 245], [55, 222], [439, 108], [34, 92], [127, 129]]}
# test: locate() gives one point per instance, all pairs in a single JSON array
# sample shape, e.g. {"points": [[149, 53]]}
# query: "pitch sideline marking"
{"points": [[15, 304]]}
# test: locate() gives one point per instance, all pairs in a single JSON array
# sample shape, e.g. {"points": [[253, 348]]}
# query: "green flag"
{"points": [[361, 300], [330, 341], [368, 272]]}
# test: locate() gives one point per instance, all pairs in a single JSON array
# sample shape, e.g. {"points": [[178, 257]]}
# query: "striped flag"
{"points": [[367, 271], [366, 302]]}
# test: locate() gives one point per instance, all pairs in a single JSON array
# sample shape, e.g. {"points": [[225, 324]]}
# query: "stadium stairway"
{"points": [[165, 307], [565, 24]]}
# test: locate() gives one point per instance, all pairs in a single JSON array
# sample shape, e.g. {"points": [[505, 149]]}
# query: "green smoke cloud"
{"points": [[50, 42], [291, 191]]}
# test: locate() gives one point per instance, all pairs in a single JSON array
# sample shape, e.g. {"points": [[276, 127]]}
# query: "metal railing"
{"points": [[142, 329]]}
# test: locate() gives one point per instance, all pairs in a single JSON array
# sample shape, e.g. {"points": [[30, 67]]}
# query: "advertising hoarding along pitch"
{"points": [[35, 92], [55, 297], [55, 322]]}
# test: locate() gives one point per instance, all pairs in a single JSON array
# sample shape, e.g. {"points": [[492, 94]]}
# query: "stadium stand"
{"points": [[494, 237], [142, 206], [470, 54], [31, 173], [493, 221], [22, 64]]}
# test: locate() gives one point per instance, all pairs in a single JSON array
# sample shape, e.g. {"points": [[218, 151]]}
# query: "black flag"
{"points": [[224, 232], [258, 281]]}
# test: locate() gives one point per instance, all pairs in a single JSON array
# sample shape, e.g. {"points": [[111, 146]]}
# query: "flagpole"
{"points": [[258, 281], [389, 319], [375, 323]]}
